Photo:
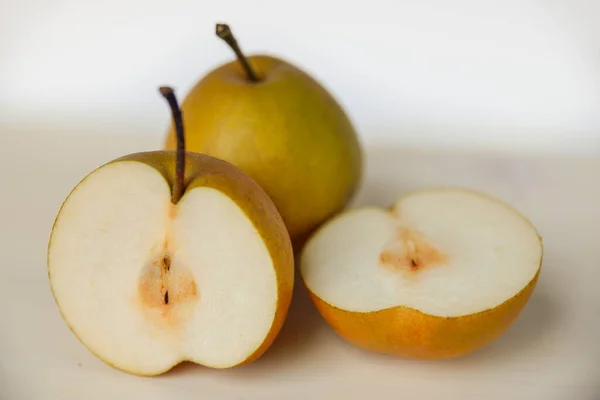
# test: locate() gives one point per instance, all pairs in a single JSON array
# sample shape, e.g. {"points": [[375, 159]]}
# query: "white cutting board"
{"points": [[551, 352]]}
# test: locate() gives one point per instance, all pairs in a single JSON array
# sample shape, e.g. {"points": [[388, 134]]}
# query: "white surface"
{"points": [[517, 74], [551, 352]]}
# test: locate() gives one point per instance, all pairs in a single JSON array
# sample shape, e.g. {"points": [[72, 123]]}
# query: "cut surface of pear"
{"points": [[146, 284], [442, 273]]}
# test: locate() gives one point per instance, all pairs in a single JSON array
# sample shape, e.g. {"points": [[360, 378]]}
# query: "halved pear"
{"points": [[442, 273], [147, 279]]}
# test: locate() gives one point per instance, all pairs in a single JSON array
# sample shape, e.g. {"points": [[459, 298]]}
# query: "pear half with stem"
{"points": [[443, 273], [161, 257]]}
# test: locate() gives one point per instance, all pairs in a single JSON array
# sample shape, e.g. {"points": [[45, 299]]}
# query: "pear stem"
{"points": [[224, 32], [178, 184]]}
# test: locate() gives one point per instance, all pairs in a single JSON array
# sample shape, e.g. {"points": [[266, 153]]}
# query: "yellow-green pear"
{"points": [[281, 127], [161, 257]]}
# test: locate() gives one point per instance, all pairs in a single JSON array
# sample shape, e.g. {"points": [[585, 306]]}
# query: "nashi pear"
{"points": [[154, 261], [442, 273], [283, 128]]}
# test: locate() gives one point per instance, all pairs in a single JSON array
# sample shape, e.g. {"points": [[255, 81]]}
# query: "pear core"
{"points": [[167, 291], [410, 251]]}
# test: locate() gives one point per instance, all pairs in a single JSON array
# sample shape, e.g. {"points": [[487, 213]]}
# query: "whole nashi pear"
{"points": [[282, 128]]}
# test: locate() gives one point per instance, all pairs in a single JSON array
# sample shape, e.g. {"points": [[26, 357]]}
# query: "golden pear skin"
{"points": [[285, 131], [406, 332]]}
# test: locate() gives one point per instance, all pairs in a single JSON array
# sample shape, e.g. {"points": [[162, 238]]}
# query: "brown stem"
{"points": [[224, 32], [169, 95]]}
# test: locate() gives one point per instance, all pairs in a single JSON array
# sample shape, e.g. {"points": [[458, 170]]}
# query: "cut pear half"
{"points": [[441, 274], [146, 284]]}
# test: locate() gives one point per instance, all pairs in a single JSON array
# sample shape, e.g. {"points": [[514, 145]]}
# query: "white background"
{"points": [[503, 75]]}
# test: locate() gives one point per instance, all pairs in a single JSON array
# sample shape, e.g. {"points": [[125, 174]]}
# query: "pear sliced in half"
{"points": [[153, 261], [441, 274]]}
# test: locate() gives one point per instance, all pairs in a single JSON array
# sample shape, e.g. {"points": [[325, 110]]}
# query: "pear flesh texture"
{"points": [[442, 273], [146, 284], [285, 131]]}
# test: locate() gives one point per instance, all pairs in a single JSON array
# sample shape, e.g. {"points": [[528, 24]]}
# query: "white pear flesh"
{"points": [[146, 284], [438, 255]]}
